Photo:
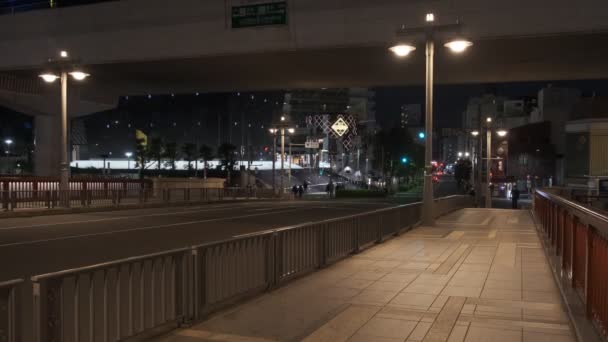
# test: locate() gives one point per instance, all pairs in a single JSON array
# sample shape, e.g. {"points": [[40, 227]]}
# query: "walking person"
{"points": [[294, 190], [300, 191], [514, 196]]}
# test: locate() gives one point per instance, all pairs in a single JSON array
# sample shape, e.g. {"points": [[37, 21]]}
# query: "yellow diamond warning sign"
{"points": [[340, 127]]}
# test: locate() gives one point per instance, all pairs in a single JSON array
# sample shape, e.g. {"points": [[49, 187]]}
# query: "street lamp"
{"points": [[60, 69], [430, 31], [500, 133], [8, 143], [128, 155], [280, 128]]}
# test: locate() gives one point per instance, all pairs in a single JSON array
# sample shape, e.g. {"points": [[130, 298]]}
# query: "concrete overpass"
{"points": [[152, 46]]}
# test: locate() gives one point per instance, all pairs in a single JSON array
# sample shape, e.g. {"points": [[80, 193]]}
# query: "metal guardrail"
{"points": [[115, 300], [579, 237], [8, 310], [48, 199]]}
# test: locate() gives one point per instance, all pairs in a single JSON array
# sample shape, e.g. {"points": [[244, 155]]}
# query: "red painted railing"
{"points": [[579, 236]]}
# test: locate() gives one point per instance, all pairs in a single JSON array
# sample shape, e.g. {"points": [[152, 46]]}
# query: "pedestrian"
{"points": [[305, 186], [294, 190], [514, 196], [300, 191], [330, 188]]}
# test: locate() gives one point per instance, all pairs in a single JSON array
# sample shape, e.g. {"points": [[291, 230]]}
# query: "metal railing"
{"points": [[119, 299], [8, 310], [48, 199], [579, 238]]}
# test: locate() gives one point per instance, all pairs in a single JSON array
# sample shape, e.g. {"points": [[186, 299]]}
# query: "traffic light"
{"points": [[404, 160], [421, 135]]}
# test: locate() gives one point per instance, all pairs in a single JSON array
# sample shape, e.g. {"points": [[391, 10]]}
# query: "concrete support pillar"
{"points": [[47, 155]]}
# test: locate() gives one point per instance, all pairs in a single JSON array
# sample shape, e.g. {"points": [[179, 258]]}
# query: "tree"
{"points": [[155, 150], [170, 154], [205, 152], [141, 156], [462, 171], [226, 154], [390, 149], [190, 154]]}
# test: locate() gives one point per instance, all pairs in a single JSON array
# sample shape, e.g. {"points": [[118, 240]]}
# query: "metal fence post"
{"points": [[587, 273], [196, 288]]}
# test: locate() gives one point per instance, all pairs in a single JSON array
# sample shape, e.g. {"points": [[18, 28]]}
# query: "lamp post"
{"points": [[430, 31], [500, 133], [280, 128], [60, 69], [128, 155]]}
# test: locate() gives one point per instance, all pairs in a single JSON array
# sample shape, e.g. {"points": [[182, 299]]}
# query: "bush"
{"points": [[363, 193]]}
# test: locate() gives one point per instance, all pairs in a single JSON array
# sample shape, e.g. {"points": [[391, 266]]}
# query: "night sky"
{"points": [[451, 100]]}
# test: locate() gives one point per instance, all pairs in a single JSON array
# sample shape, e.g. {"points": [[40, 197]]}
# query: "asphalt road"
{"points": [[36, 245]]}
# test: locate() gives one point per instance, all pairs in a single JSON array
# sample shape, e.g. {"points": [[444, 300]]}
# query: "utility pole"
{"points": [[488, 164]]}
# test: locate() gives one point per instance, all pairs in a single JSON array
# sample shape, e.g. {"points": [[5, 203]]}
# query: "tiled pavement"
{"points": [[478, 275]]}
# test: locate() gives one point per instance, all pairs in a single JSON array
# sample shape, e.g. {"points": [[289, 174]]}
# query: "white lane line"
{"points": [[21, 243], [122, 217]]}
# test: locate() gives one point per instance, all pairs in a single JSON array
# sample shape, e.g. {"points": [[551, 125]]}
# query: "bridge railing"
{"points": [[578, 236], [8, 310], [48, 199], [120, 299]]}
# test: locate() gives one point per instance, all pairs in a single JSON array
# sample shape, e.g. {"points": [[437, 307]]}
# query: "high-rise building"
{"points": [[411, 115]]}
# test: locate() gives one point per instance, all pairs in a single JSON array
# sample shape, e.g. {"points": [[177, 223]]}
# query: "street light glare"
{"points": [[79, 75], [272, 130], [430, 17], [128, 154], [475, 133], [488, 119], [501, 133], [458, 45], [466, 154], [8, 141], [63, 54], [402, 50], [49, 78], [282, 118], [291, 130]]}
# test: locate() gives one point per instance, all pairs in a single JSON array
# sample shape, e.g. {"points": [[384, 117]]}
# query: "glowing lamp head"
{"points": [[501, 133], [282, 118], [460, 154], [8, 141], [49, 78], [79, 75], [488, 119], [402, 50], [291, 130], [475, 133], [272, 130], [63, 54], [458, 45], [421, 135], [128, 154], [430, 17]]}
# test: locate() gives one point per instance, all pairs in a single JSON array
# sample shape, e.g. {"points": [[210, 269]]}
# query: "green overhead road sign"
{"points": [[272, 13]]}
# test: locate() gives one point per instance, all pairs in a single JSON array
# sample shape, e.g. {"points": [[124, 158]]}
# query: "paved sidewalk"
{"points": [[479, 275]]}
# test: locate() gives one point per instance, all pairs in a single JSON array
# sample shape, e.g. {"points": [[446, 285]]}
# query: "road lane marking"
{"points": [[198, 210], [21, 243]]}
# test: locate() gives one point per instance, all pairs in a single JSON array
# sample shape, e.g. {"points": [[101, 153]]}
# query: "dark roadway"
{"points": [[36, 245]]}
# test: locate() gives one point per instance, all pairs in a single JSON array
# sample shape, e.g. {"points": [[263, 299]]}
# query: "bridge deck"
{"points": [[478, 275]]}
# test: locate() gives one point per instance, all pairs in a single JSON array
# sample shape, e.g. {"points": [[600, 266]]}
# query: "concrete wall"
{"points": [[162, 29]]}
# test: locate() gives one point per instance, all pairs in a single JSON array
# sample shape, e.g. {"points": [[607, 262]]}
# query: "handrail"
{"points": [[114, 263], [91, 268], [598, 217], [11, 282]]}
